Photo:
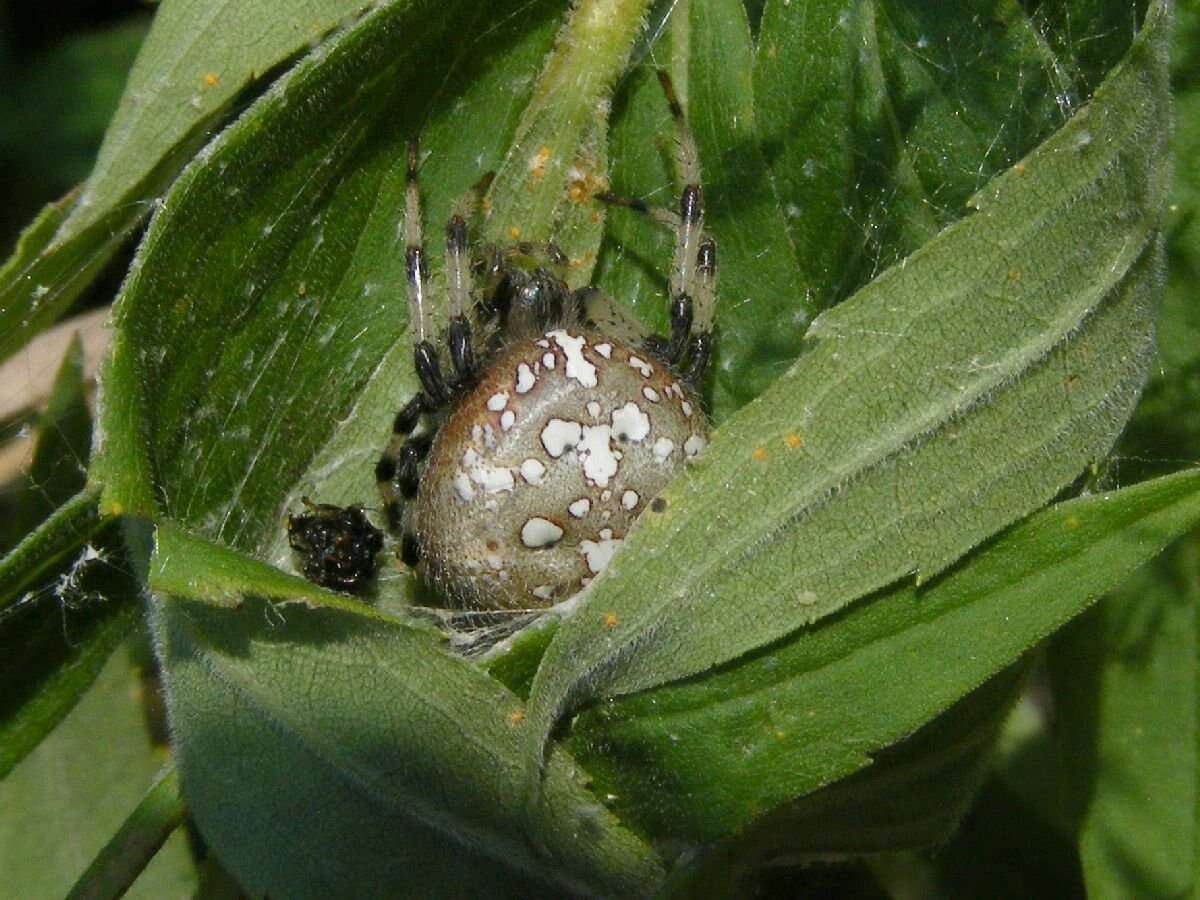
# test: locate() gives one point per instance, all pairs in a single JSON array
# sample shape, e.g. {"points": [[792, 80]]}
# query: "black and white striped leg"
{"points": [[458, 284], [699, 343], [398, 471], [692, 283], [391, 465]]}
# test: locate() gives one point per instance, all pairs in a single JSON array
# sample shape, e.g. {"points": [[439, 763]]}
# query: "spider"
{"points": [[553, 423]]}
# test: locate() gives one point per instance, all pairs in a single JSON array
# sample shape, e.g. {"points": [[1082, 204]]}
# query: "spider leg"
{"points": [[699, 344], [398, 471], [691, 199], [659, 214], [692, 283], [472, 277], [693, 271], [458, 282], [420, 315], [395, 473], [410, 549]]}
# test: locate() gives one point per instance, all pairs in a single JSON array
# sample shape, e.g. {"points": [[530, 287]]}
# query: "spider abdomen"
{"points": [[539, 472]]}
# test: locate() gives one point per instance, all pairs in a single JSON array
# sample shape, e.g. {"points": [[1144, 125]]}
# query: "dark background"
{"points": [[63, 65]]}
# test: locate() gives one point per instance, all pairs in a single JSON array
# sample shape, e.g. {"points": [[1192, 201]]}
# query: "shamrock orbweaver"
{"points": [[553, 420]]}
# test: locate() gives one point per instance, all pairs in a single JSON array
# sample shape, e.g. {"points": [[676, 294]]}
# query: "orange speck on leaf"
{"points": [[537, 165], [759, 454], [1014, 274], [516, 717], [1019, 168], [793, 440], [610, 620], [514, 232], [210, 79], [1071, 522]]}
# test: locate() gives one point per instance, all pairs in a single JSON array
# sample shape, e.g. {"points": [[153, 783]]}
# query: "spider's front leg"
{"points": [[694, 269], [692, 283], [399, 468]]}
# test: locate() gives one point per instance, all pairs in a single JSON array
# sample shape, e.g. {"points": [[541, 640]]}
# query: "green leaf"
{"points": [[194, 64], [912, 794], [1125, 687], [805, 713], [55, 638], [897, 146], [61, 535], [63, 802], [412, 756], [66, 598], [140, 837], [757, 257], [957, 392], [221, 577], [41, 278], [1179, 341]]}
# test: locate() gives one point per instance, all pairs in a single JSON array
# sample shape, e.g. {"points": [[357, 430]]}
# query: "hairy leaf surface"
{"points": [[956, 393]]}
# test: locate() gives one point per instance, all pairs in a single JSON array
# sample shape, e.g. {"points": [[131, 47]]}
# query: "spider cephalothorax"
{"points": [[554, 421]]}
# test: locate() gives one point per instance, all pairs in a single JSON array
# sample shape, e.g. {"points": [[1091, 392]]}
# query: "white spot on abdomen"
{"points": [[525, 379], [630, 423], [629, 499], [492, 479], [580, 507], [642, 366], [663, 448], [599, 553], [559, 436], [497, 402], [538, 532], [577, 365], [462, 486], [532, 471], [597, 455], [694, 445]]}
